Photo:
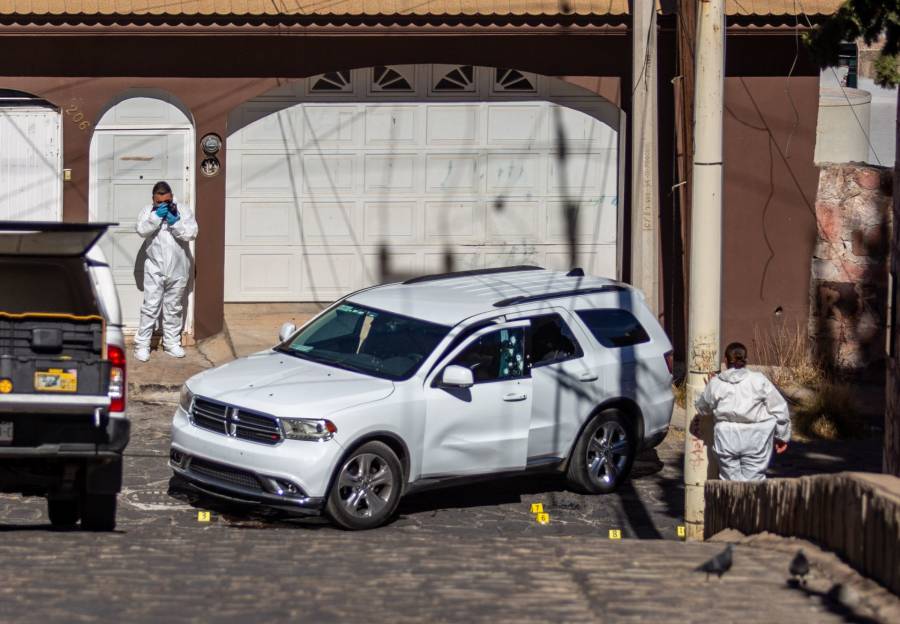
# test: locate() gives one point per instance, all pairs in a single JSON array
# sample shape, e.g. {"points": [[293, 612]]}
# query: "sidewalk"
{"points": [[248, 328]]}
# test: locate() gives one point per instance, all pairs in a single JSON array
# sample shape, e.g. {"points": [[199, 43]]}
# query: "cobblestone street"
{"points": [[459, 554]]}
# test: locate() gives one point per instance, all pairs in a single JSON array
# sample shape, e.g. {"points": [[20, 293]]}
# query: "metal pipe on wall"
{"points": [[705, 289]]}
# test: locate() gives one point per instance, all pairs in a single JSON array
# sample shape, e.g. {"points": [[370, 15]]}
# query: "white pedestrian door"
{"points": [[127, 163], [29, 164]]}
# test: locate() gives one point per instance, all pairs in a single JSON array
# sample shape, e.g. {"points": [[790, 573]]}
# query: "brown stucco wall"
{"points": [[769, 197]]}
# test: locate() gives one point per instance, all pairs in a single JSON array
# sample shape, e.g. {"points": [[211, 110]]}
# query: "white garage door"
{"points": [[29, 163], [428, 161]]}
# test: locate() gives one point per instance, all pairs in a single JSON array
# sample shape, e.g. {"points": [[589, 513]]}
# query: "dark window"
{"points": [[388, 79], [552, 341], [495, 356], [614, 328]]}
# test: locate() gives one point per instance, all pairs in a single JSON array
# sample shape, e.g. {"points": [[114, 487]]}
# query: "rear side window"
{"points": [[614, 328]]}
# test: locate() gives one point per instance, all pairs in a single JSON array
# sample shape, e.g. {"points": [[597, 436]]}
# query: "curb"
{"points": [[154, 392]]}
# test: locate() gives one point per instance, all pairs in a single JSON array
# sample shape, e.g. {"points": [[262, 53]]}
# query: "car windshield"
{"points": [[368, 341]]}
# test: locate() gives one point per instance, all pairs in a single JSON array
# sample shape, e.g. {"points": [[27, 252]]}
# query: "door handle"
{"points": [[515, 396], [587, 377]]}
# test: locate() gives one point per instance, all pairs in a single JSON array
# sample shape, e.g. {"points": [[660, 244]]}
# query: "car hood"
{"points": [[282, 385]]}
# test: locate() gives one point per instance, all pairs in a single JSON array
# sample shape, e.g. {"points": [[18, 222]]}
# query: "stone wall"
{"points": [[849, 281], [855, 515]]}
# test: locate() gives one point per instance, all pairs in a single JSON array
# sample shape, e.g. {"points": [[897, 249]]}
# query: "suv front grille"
{"points": [[235, 422], [226, 474]]}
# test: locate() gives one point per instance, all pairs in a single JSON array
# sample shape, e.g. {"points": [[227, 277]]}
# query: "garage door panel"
{"points": [[394, 223], [435, 262], [264, 174], [453, 125], [516, 124], [262, 222], [333, 126], [268, 125], [581, 131], [598, 260], [329, 222], [396, 173], [453, 173], [514, 222], [392, 125], [265, 275], [330, 273], [398, 263], [29, 164], [595, 220], [460, 221], [517, 254], [328, 174], [581, 174], [514, 174]]}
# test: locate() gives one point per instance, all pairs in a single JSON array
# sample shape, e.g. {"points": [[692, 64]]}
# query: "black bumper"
{"points": [[110, 443]]}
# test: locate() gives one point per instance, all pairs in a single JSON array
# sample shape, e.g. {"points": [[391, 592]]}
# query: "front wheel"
{"points": [[366, 488], [602, 458]]}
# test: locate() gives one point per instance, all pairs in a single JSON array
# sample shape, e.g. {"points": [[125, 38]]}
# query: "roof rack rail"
{"points": [[575, 272], [473, 272], [560, 293]]}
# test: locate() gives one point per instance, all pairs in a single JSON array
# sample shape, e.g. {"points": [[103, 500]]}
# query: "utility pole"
{"points": [[644, 148], [705, 290]]}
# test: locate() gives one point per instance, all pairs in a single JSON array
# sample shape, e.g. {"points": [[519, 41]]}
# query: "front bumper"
{"points": [[230, 465]]}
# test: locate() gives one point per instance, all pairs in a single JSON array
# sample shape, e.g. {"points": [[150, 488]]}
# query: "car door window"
{"points": [[614, 328], [552, 341], [495, 356]]}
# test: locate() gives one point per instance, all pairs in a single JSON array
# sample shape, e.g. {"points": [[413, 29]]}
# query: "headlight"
{"points": [[186, 398], [308, 429]]}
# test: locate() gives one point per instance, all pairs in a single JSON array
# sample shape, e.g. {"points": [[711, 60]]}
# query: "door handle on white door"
{"points": [[587, 377], [515, 396]]}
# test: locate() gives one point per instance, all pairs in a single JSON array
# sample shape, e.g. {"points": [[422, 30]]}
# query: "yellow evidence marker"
{"points": [[680, 532], [615, 534], [537, 508], [202, 516], [542, 518]]}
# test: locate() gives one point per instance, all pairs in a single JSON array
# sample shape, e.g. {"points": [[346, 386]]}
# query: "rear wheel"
{"points": [[63, 512], [98, 512], [366, 488], [603, 456]]}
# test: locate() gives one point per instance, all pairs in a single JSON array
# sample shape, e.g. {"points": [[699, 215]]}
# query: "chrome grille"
{"points": [[226, 474], [235, 422]]}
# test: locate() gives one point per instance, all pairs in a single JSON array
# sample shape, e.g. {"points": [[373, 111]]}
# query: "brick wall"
{"points": [[849, 282]]}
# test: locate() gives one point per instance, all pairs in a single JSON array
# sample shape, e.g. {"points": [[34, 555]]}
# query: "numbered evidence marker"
{"points": [[615, 534], [680, 532], [203, 516], [537, 508], [542, 518]]}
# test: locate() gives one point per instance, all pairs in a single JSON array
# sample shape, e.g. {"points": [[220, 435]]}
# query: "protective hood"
{"points": [[734, 375], [283, 385]]}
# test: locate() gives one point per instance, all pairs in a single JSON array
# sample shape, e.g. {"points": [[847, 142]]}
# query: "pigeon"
{"points": [[799, 567], [718, 565]]}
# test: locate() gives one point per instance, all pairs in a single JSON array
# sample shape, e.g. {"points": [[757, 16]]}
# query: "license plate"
{"points": [[6, 432], [56, 380]]}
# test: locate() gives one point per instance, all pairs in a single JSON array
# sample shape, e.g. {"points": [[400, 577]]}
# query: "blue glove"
{"points": [[172, 219], [162, 210]]}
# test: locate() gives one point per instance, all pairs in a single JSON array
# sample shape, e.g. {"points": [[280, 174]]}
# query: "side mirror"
{"points": [[286, 330], [457, 376]]}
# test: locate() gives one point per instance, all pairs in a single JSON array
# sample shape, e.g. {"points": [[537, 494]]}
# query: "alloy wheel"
{"points": [[365, 485], [607, 453]]}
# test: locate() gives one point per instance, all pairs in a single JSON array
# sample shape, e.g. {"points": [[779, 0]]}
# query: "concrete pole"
{"points": [[705, 290], [644, 180]]}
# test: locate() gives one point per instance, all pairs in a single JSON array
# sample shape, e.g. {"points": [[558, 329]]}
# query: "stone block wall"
{"points": [[855, 515], [849, 281]]}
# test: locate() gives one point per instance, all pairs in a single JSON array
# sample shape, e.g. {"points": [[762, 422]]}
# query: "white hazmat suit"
{"points": [[166, 273], [749, 413]]}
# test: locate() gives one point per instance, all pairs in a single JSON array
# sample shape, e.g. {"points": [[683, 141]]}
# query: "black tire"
{"points": [[602, 458], [366, 487], [63, 512], [98, 512]]}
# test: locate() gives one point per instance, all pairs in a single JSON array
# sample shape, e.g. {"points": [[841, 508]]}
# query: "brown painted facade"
{"points": [[212, 68]]}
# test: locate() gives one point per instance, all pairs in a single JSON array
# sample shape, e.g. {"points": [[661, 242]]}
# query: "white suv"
{"points": [[403, 386]]}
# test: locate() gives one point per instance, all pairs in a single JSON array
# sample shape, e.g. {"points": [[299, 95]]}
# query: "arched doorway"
{"points": [[30, 158], [143, 136], [422, 163]]}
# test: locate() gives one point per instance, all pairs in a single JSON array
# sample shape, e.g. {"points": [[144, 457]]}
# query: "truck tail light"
{"points": [[670, 362], [116, 379]]}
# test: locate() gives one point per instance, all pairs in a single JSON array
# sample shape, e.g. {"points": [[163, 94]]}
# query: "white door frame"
{"points": [[189, 185]]}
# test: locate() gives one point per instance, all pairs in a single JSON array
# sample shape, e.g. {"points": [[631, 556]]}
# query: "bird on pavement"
{"points": [[799, 567], [718, 565]]}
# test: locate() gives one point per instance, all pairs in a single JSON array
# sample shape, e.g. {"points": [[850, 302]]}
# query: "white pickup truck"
{"points": [[62, 372]]}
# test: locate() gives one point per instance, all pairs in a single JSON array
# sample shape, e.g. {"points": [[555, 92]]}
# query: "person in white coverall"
{"points": [[750, 417], [168, 229]]}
